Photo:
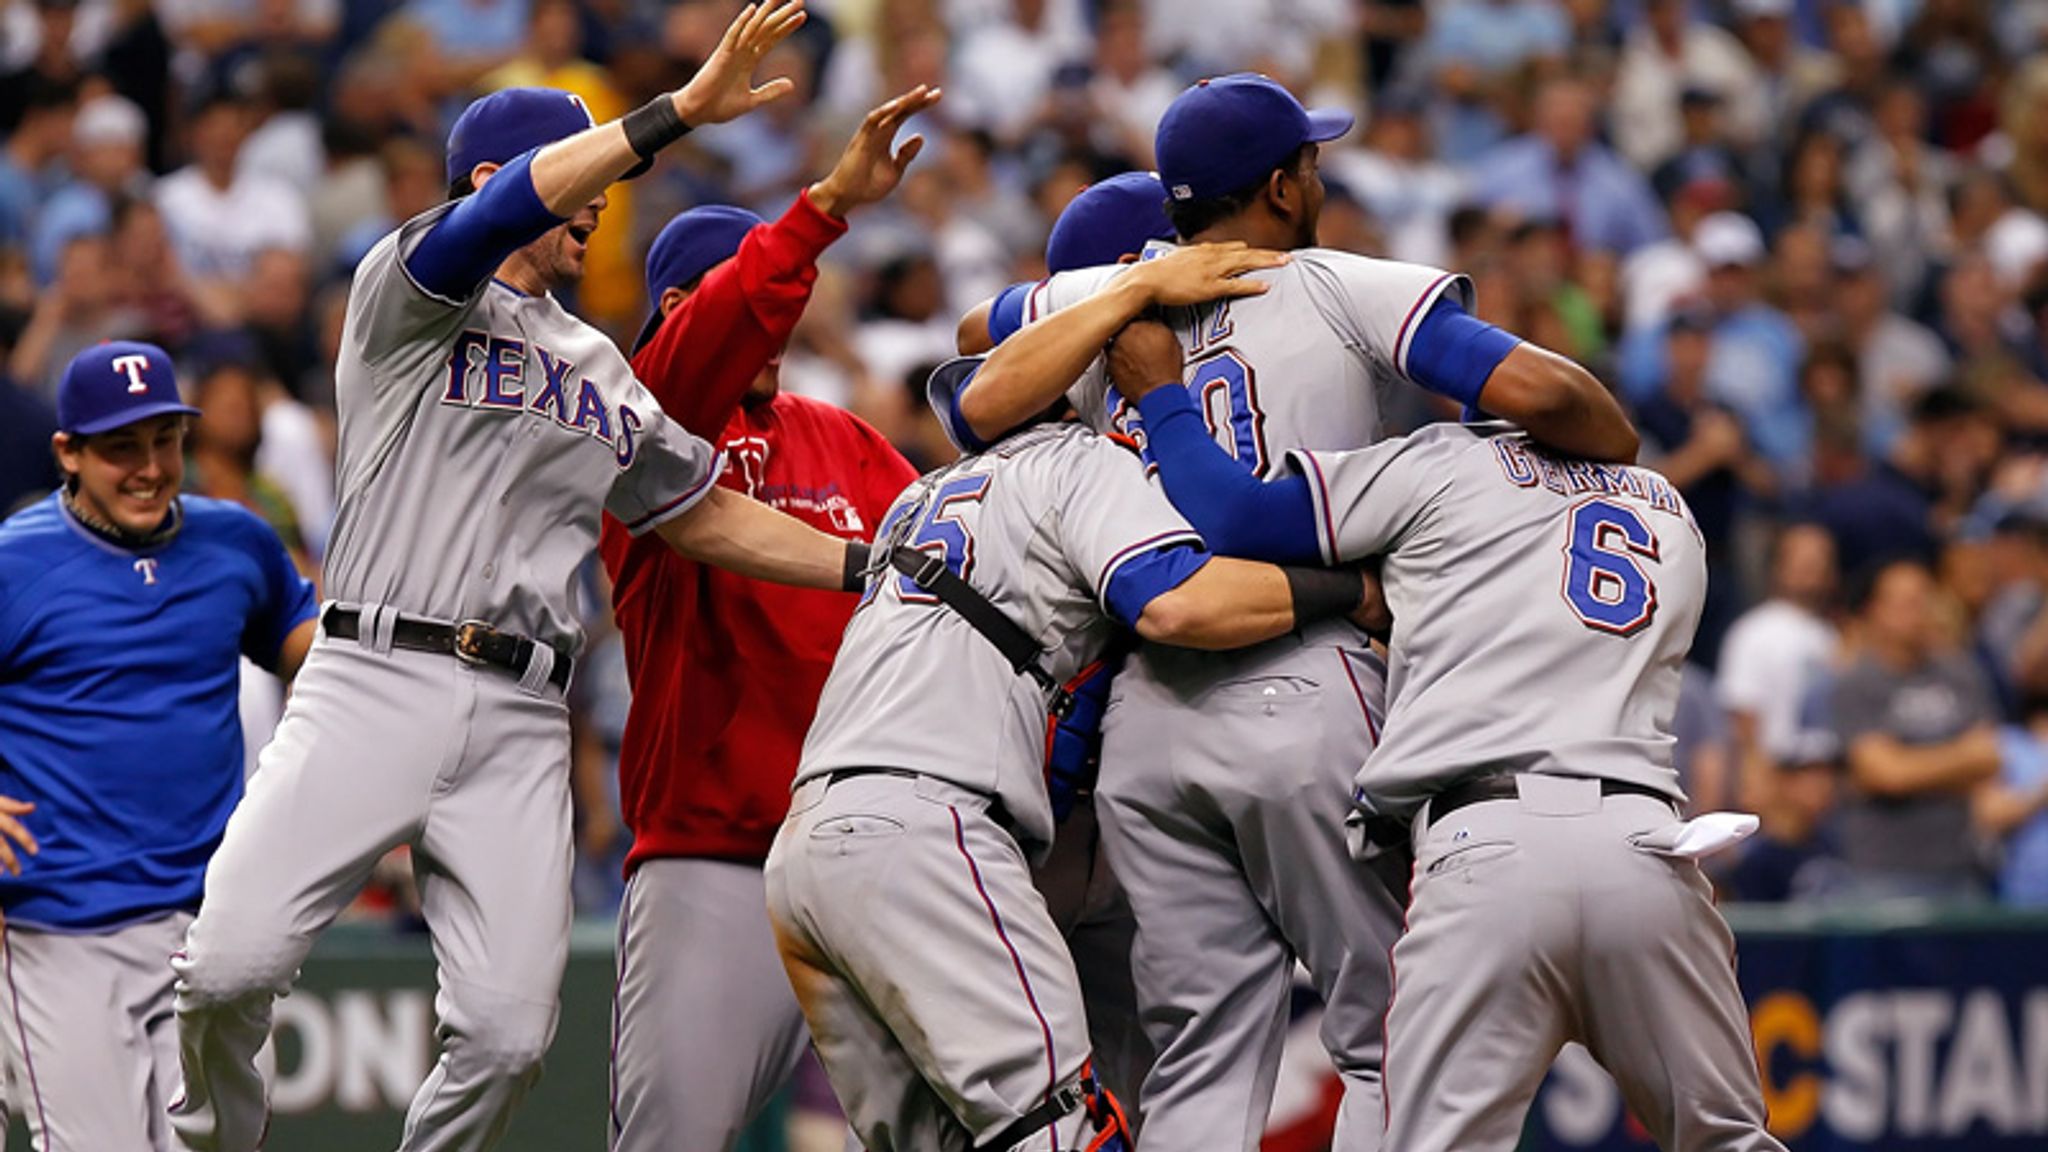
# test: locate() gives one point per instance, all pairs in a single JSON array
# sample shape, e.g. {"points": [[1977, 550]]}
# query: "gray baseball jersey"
{"points": [[1225, 775], [475, 436], [1039, 524], [1475, 528], [1558, 911], [480, 440]]}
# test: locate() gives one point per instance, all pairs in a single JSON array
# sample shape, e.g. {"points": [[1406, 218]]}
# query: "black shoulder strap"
{"points": [[928, 571]]}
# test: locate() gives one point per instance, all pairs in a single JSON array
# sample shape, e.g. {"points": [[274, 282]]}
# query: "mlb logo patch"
{"points": [[1182, 192]]}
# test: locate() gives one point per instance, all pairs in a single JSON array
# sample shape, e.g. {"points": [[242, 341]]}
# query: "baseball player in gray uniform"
{"points": [[482, 430], [938, 991], [1226, 777], [1555, 896]]}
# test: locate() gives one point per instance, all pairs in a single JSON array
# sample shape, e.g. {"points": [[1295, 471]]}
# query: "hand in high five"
{"points": [[13, 829], [867, 171], [723, 89]]}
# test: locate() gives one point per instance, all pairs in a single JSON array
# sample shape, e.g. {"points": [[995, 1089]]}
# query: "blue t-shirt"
{"points": [[119, 693], [2023, 764]]}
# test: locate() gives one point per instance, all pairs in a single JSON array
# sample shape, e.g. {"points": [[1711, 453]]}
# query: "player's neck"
{"points": [[519, 273], [88, 517], [1255, 229]]}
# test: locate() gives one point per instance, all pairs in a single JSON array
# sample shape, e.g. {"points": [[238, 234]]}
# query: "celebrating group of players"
{"points": [[1029, 837]]}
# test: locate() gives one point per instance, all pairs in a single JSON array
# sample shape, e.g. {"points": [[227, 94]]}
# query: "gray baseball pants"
{"points": [[1223, 807], [1535, 922], [939, 993], [705, 1028], [1088, 905], [89, 1037], [379, 749]]}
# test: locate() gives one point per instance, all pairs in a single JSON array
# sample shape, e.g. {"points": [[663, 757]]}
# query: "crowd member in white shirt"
{"points": [[1779, 652], [219, 217]]}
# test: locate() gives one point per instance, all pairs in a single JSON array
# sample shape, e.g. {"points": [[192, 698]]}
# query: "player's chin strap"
{"points": [[1112, 1131], [928, 571]]}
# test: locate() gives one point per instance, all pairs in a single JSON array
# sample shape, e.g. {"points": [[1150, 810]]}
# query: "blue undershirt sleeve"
{"points": [[1006, 315], [1144, 577], [462, 248], [1236, 513], [1454, 352]]}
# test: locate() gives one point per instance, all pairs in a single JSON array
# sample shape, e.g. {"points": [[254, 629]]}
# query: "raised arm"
{"points": [[1029, 371], [516, 203]]}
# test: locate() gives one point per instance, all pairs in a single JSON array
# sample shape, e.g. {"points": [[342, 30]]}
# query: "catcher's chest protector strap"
{"points": [[928, 571]]}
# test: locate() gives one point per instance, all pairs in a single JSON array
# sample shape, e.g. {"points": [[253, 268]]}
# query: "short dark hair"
{"points": [[1863, 584], [1194, 217], [461, 186]]}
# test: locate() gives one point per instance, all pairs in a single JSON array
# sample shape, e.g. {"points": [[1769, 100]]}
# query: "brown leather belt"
{"points": [[472, 642]]}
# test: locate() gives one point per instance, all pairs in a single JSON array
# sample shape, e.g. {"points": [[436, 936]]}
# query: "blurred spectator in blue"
{"points": [[1814, 190], [1669, 56], [1003, 65], [82, 308], [1700, 446], [106, 161], [1897, 359], [469, 37], [1981, 321], [44, 44], [1919, 734], [28, 468], [1793, 855], [1475, 49], [1706, 151], [32, 159], [1753, 361], [1559, 171], [1899, 506], [1789, 75], [1847, 110], [1702, 751], [2013, 808], [220, 215], [1397, 177]]}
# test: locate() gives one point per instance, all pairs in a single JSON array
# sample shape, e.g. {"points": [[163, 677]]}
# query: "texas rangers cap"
{"points": [[1109, 220], [115, 384], [500, 127], [1227, 133], [690, 245]]}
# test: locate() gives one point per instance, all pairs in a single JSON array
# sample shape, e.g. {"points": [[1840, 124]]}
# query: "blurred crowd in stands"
{"points": [[1805, 240]]}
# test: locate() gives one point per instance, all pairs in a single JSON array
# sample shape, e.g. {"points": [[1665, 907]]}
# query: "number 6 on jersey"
{"points": [[1604, 580]]}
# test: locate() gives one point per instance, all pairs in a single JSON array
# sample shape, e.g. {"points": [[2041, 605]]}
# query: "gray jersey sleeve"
{"points": [[1367, 501], [664, 469], [1376, 305], [1110, 514], [393, 316]]}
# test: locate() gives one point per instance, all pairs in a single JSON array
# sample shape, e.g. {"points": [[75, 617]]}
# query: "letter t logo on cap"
{"points": [[134, 366]]}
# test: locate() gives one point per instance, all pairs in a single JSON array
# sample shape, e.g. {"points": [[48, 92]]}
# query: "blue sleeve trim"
{"points": [[1006, 315], [462, 248], [1454, 352], [947, 407], [1145, 577], [1236, 513]]}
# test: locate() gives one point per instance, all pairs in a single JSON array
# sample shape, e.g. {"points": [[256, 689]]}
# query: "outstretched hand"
{"points": [[867, 171], [1200, 273], [1145, 355], [723, 89], [13, 829]]}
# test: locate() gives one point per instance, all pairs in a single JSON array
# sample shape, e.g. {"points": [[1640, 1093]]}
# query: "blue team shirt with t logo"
{"points": [[119, 693]]}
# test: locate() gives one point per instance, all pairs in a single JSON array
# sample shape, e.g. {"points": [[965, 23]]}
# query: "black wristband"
{"points": [[1320, 593], [653, 126], [854, 578]]}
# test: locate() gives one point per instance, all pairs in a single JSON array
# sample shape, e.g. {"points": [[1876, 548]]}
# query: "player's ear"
{"points": [[670, 297], [482, 172], [66, 449]]}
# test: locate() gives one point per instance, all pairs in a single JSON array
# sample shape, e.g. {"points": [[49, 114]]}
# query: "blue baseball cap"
{"points": [[498, 128], [1227, 133], [1109, 220], [690, 245], [115, 384]]}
